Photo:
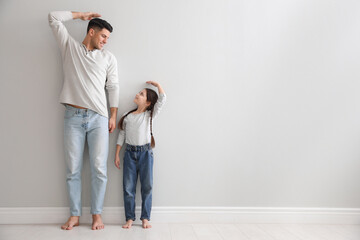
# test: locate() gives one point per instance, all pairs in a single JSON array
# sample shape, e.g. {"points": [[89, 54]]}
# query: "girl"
{"points": [[136, 130]]}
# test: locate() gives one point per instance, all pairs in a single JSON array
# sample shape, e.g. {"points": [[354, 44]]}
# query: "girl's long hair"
{"points": [[151, 97]]}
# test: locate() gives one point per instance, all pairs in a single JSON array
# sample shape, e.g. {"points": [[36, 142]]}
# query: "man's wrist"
{"points": [[113, 112], [77, 15]]}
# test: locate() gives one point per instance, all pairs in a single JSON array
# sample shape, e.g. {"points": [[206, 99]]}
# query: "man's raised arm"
{"points": [[57, 18]]}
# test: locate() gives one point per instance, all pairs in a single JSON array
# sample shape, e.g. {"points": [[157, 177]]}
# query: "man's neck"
{"points": [[87, 44]]}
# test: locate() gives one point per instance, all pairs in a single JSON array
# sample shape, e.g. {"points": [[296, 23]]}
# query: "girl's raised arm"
{"points": [[161, 100]]}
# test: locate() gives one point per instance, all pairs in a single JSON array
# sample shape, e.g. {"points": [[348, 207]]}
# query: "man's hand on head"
{"points": [[85, 15], [89, 15]]}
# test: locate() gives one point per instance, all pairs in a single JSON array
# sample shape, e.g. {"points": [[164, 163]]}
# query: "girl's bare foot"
{"points": [[72, 222], [97, 222], [128, 224], [145, 223]]}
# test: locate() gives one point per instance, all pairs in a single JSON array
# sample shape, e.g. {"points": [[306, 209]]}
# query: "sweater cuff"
{"points": [[113, 95], [60, 16]]}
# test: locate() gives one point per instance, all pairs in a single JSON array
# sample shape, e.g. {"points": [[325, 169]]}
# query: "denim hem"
{"points": [[130, 219], [75, 214], [93, 213], [145, 218]]}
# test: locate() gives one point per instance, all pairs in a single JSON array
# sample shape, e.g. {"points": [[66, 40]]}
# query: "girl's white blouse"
{"points": [[137, 126]]}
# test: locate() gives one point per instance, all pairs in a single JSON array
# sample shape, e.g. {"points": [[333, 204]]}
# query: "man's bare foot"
{"points": [[145, 223], [97, 222], [128, 224], [72, 222]]}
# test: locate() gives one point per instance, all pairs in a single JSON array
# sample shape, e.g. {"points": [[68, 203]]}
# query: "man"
{"points": [[88, 71]]}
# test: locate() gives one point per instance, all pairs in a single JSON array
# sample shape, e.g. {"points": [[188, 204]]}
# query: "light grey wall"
{"points": [[263, 100]]}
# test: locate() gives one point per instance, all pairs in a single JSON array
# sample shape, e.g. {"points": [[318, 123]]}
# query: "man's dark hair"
{"points": [[99, 24]]}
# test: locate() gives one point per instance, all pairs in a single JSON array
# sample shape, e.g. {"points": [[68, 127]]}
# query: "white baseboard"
{"points": [[115, 215]]}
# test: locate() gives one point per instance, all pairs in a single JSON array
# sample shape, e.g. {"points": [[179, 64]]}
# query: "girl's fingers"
{"points": [[152, 83]]}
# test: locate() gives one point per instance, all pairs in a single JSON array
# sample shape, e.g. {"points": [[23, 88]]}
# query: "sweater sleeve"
{"points": [[112, 83], [159, 104], [56, 20]]}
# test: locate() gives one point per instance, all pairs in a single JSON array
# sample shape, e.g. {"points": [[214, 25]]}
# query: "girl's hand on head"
{"points": [[153, 83], [156, 84], [117, 161]]}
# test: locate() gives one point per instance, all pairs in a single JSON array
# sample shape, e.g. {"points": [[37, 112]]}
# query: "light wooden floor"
{"points": [[186, 232]]}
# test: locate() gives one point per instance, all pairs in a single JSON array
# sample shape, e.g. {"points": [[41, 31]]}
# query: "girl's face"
{"points": [[141, 99]]}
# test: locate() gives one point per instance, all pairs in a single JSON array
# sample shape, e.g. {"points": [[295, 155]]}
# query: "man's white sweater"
{"points": [[86, 73]]}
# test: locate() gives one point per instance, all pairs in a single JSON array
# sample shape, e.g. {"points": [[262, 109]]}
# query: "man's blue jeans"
{"points": [[79, 125], [138, 160]]}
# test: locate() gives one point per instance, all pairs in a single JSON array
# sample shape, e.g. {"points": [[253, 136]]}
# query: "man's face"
{"points": [[99, 37]]}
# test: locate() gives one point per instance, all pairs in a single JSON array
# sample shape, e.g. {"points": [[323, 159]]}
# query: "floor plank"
{"points": [[278, 232], [206, 232], [230, 232], [182, 232], [254, 232]]}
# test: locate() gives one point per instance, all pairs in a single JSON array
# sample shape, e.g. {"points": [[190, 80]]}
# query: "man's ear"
{"points": [[91, 32]]}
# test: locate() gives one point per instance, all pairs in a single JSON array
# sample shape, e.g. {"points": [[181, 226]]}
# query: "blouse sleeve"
{"points": [[122, 136], [159, 104]]}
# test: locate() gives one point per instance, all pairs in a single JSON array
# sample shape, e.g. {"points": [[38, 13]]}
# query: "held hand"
{"points": [[89, 15], [112, 124], [117, 161]]}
